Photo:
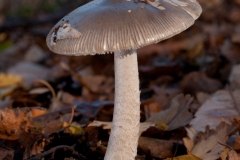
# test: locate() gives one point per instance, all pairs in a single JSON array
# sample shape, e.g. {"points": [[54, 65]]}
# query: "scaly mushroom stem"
{"points": [[123, 139]]}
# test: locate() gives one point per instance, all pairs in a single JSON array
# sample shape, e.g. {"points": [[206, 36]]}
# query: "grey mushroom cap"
{"points": [[104, 26]]}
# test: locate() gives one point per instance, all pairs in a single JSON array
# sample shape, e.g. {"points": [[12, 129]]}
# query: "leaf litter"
{"points": [[189, 90]]}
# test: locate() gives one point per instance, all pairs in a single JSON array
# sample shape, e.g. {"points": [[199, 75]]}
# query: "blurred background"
{"points": [[200, 61], [210, 46]]}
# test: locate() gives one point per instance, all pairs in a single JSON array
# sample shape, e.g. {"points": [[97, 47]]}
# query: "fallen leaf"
{"points": [[162, 126], [29, 72], [202, 97], [232, 155], [4, 92], [105, 125], [34, 54], [108, 125], [99, 84], [224, 154], [156, 147], [151, 108], [236, 145], [198, 81], [185, 157], [234, 77], [229, 154], [35, 149], [13, 123], [53, 126], [7, 80], [36, 111], [206, 145], [231, 51], [39, 90], [219, 107], [5, 103], [76, 129], [236, 35], [176, 115], [210, 4], [6, 153]]}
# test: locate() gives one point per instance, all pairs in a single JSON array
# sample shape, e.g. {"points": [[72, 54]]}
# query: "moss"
{"points": [[49, 7], [4, 45], [25, 11]]}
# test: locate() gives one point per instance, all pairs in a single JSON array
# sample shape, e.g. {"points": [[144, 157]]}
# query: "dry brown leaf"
{"points": [[13, 123], [108, 125], [5, 103], [236, 34], [105, 125], [151, 108], [35, 111], [35, 149], [210, 4], [232, 155], [234, 77], [206, 145], [202, 97], [229, 154], [29, 72], [53, 126], [161, 99], [156, 147], [224, 154], [185, 157], [236, 145], [39, 90], [171, 46], [221, 106], [6, 153], [99, 84], [56, 105], [7, 80], [34, 54], [231, 51], [94, 82], [198, 81], [176, 115]]}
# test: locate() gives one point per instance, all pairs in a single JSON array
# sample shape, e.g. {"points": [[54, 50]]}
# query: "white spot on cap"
{"points": [[64, 31], [129, 11]]}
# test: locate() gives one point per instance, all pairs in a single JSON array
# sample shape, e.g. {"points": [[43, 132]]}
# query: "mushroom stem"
{"points": [[124, 135]]}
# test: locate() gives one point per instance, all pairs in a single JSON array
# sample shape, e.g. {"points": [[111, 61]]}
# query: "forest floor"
{"points": [[61, 107]]}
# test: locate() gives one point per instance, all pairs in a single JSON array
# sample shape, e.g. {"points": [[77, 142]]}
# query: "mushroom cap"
{"points": [[104, 26]]}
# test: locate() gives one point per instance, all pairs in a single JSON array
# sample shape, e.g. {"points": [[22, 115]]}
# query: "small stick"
{"points": [[52, 150], [48, 86], [75, 75], [72, 114]]}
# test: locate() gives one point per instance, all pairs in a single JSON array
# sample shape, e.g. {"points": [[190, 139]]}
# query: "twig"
{"points": [[78, 77], [72, 114], [175, 151], [52, 150], [48, 86], [225, 145]]}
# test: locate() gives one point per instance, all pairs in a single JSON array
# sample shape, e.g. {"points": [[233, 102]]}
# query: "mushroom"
{"points": [[122, 26]]}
